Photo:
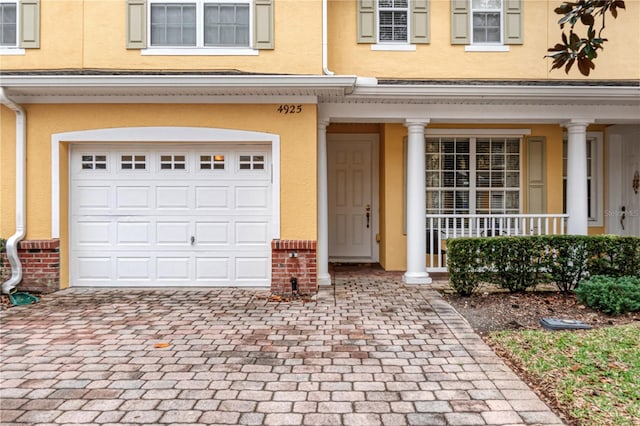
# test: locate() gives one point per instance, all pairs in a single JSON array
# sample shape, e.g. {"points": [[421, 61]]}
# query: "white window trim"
{"points": [[473, 188], [199, 49], [9, 51], [394, 44], [13, 50], [597, 177], [485, 46], [394, 47]]}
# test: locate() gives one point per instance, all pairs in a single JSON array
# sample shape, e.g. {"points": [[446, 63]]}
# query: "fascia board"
{"points": [[500, 92], [160, 81]]}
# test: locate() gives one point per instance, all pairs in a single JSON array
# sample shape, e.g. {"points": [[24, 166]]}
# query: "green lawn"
{"points": [[593, 375]]}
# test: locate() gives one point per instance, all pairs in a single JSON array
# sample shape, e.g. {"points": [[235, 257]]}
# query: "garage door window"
{"points": [[94, 162], [212, 162], [173, 162], [252, 162], [133, 162]]}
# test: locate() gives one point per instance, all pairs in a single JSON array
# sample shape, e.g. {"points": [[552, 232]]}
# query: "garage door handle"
{"points": [[193, 240]]}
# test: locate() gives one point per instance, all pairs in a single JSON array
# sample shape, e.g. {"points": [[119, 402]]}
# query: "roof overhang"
{"points": [[172, 88], [344, 98]]}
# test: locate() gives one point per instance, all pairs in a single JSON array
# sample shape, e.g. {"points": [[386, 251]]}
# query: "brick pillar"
{"points": [[285, 266], [40, 266]]}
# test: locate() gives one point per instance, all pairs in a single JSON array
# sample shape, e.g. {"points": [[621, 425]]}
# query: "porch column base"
{"points": [[324, 279], [416, 278]]}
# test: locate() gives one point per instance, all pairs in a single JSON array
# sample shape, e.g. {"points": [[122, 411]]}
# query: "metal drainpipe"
{"points": [[12, 243], [325, 47]]}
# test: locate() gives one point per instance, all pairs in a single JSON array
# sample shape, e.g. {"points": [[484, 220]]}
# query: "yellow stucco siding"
{"points": [[441, 60], [7, 172], [94, 36]]}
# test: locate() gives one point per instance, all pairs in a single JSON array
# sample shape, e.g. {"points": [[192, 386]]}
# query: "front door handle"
{"points": [[368, 208], [193, 240]]}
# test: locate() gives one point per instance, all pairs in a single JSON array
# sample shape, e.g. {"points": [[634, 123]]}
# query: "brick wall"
{"points": [[302, 267], [40, 266]]}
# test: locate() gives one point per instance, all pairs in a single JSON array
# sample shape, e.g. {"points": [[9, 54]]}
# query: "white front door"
{"points": [[353, 207], [623, 207], [170, 215]]}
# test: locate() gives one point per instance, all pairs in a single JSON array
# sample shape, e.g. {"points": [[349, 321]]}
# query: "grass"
{"points": [[592, 375]]}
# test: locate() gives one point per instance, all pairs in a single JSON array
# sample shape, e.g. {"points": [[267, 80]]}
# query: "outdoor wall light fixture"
{"points": [[636, 182]]}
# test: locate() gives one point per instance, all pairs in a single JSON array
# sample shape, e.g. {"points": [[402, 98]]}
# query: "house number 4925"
{"points": [[290, 109]]}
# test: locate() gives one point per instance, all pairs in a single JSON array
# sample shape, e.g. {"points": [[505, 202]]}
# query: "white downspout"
{"points": [[21, 203], [325, 46]]}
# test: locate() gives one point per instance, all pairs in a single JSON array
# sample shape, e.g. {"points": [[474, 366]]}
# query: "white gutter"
{"points": [[12, 242], [325, 45]]}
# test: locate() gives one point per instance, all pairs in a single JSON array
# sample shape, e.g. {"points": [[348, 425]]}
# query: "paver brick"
{"points": [[367, 350]]}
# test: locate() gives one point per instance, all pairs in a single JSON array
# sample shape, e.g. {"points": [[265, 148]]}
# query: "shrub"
{"points": [[465, 263], [566, 260], [520, 262], [514, 263], [614, 255], [611, 295]]}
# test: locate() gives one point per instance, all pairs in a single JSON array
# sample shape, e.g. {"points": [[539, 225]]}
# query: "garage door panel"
{"points": [[252, 268], [251, 233], [212, 197], [134, 226], [92, 198], [93, 268], [93, 233], [133, 268], [213, 268], [172, 197], [173, 268], [251, 197], [213, 233], [136, 233], [133, 197], [172, 233]]}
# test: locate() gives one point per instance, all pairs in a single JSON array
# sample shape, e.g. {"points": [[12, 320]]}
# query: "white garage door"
{"points": [[170, 215]]}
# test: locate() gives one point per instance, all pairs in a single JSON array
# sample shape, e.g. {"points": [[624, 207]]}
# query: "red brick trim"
{"points": [[293, 259], [40, 266]]}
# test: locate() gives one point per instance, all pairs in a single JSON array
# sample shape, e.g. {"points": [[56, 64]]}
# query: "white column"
{"points": [[577, 201], [322, 245], [416, 205]]}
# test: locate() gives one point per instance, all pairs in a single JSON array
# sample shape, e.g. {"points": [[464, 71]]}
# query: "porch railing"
{"points": [[442, 227]]}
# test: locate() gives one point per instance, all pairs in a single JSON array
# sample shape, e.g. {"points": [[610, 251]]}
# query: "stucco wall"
{"points": [[441, 60], [93, 35]]}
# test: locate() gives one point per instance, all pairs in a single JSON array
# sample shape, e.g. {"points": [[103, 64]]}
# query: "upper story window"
{"points": [[393, 24], [393, 20], [200, 24], [200, 27], [486, 25], [486, 21], [8, 24], [19, 26]]}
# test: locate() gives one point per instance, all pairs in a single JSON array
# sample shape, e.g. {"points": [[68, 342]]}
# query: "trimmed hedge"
{"points": [[517, 263], [611, 295]]}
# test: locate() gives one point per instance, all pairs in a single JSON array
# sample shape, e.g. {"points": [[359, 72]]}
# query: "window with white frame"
{"points": [[393, 21], [473, 175], [200, 23], [8, 23], [486, 21], [594, 177]]}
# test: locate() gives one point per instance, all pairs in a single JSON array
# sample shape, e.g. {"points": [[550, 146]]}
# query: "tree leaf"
{"points": [[587, 19]]}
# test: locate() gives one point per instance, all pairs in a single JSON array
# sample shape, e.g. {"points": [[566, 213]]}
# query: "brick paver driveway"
{"points": [[367, 351]]}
